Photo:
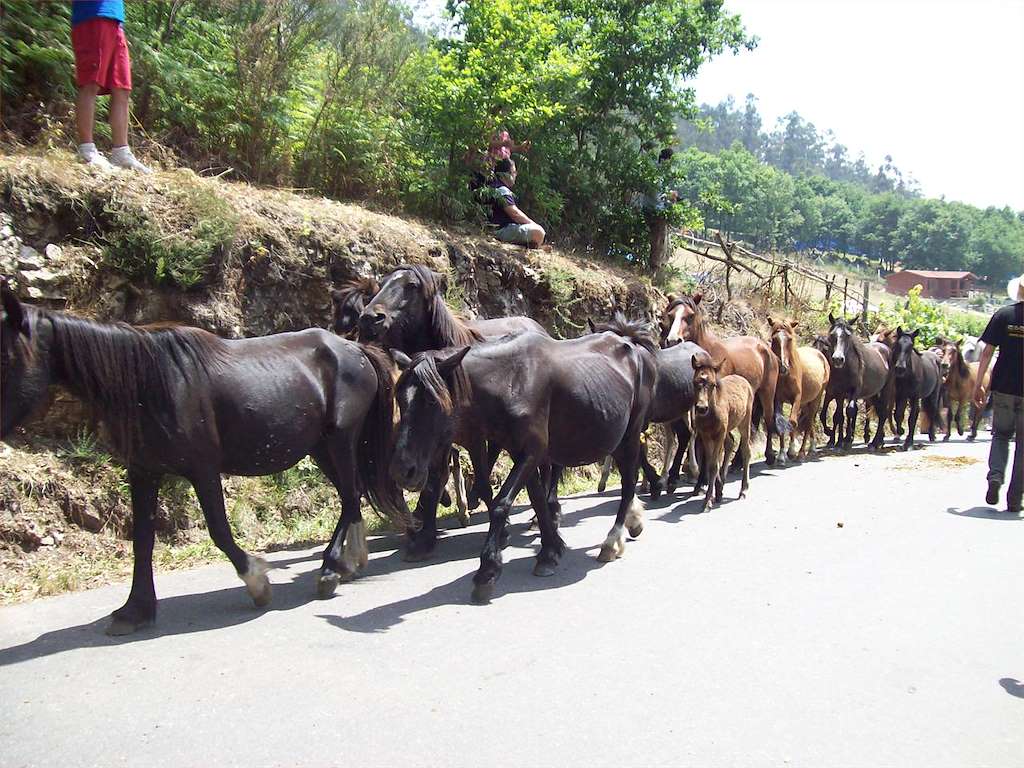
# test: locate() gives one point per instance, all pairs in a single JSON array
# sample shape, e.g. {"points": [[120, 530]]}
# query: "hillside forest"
{"points": [[351, 99]]}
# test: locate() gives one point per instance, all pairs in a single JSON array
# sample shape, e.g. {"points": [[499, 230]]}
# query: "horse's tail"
{"points": [[376, 444]]}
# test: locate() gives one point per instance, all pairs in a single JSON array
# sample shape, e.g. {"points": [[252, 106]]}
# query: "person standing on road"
{"points": [[102, 67], [1006, 331]]}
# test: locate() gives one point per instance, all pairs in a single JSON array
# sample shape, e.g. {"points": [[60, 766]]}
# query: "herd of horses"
{"points": [[381, 403]]}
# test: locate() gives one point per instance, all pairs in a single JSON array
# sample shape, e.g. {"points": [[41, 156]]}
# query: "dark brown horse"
{"points": [[548, 403], [409, 314], [348, 302], [746, 356], [181, 401]]}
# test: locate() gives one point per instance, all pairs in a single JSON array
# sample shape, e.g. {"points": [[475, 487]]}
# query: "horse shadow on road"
{"points": [[176, 615]]}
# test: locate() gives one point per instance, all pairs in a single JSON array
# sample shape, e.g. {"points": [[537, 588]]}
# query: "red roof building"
{"points": [[934, 285]]}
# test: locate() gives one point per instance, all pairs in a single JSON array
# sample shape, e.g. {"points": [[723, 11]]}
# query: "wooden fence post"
{"points": [[864, 309], [846, 293]]}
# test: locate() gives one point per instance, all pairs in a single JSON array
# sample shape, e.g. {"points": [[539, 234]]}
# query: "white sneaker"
{"points": [[92, 156], [122, 157]]}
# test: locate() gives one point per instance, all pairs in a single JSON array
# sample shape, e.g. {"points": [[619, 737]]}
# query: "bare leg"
{"points": [[85, 112], [119, 98]]}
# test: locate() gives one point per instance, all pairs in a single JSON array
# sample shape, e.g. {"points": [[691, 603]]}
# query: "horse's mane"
{"points": [[447, 328], [364, 286], [120, 368], [636, 331], [698, 321], [424, 366]]}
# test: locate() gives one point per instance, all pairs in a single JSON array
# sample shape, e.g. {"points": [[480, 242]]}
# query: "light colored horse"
{"points": [[803, 377]]}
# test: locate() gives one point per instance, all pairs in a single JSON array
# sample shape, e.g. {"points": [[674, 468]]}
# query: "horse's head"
{"points": [[840, 335], [348, 302], [783, 342], [822, 344], [884, 335], [950, 356], [402, 305], [426, 428], [24, 374], [682, 319], [902, 350], [705, 382]]}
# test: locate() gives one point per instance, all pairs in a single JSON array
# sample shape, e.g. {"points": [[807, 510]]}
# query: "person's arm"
{"points": [[517, 215], [979, 385]]}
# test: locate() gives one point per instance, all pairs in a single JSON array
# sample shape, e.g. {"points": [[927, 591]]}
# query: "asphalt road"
{"points": [[761, 633]]}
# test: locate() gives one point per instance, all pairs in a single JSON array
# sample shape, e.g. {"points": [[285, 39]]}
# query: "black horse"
{"points": [[918, 381], [548, 403], [409, 315], [858, 372], [181, 401]]}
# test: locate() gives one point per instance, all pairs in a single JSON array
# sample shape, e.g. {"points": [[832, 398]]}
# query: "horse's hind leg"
{"points": [[630, 512], [538, 486], [140, 608], [915, 408], [251, 570], [459, 483], [974, 413], [650, 473], [346, 553]]}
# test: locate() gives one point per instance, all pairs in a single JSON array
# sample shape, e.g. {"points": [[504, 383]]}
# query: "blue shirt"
{"points": [[83, 10]]}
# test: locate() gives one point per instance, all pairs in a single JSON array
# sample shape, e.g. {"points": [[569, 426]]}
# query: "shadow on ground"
{"points": [[984, 513]]}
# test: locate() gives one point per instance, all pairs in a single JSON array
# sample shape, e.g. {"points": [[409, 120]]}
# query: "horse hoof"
{"points": [[446, 498], [120, 626], [607, 554], [463, 519], [945, 439], [417, 555], [769, 459], [543, 569], [326, 585], [970, 438], [262, 598], [482, 593], [636, 529]]}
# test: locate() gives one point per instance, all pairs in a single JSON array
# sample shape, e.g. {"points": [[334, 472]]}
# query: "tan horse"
{"points": [[802, 381], [723, 404], [746, 356], [959, 378]]}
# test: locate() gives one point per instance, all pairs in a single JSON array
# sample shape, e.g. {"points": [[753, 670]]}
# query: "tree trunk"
{"points": [[659, 243]]}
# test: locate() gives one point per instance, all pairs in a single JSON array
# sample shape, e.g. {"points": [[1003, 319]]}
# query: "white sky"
{"points": [[937, 84]]}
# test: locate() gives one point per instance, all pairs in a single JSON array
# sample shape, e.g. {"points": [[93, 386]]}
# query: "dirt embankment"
{"points": [[239, 261]]}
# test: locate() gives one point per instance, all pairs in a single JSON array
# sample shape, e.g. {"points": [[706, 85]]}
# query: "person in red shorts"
{"points": [[102, 67]]}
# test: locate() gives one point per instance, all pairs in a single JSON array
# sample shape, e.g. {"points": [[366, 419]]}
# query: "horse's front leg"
{"points": [[974, 413], [420, 544], [490, 558], [552, 475], [851, 423], [630, 513], [650, 473], [711, 466], [483, 458], [606, 470], [915, 408], [251, 570], [838, 419], [140, 608]]}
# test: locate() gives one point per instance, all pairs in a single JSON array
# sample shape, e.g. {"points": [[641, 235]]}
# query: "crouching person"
{"points": [[723, 404], [514, 226]]}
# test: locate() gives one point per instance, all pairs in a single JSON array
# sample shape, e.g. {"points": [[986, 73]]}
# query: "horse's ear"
{"points": [[831, 319], [899, 331], [913, 334], [770, 321], [449, 363], [959, 342], [590, 325], [718, 366], [16, 318], [441, 279], [401, 359], [697, 297], [794, 324], [693, 361]]}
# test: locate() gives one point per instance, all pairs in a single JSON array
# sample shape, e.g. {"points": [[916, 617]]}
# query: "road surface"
{"points": [[759, 634]]}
